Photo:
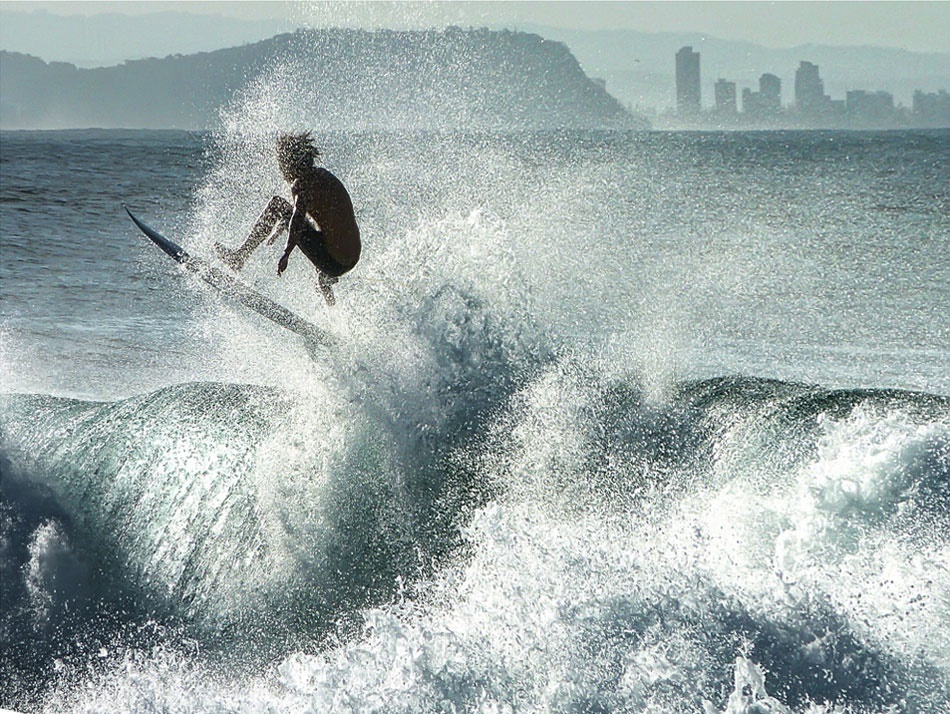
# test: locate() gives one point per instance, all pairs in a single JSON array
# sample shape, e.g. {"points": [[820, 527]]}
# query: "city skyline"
{"points": [[811, 107]]}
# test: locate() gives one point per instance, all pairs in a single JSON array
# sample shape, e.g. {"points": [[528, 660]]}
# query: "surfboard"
{"points": [[234, 289]]}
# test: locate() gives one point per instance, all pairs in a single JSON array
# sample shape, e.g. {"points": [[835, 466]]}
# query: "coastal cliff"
{"points": [[349, 79]]}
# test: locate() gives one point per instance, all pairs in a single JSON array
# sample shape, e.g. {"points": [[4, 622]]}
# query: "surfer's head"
{"points": [[296, 154]]}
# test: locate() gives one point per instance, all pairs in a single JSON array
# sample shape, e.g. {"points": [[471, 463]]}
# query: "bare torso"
{"points": [[324, 198]]}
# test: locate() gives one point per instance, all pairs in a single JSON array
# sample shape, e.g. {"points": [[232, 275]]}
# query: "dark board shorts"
{"points": [[314, 246]]}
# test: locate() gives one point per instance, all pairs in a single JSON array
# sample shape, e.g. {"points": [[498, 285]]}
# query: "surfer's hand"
{"points": [[282, 264]]}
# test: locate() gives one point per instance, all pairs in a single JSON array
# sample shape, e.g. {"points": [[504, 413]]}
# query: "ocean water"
{"points": [[615, 422]]}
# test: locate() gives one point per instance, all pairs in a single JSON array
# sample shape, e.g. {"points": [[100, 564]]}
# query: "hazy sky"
{"points": [[921, 26]]}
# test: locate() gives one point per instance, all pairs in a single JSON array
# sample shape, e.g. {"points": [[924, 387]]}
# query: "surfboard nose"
{"points": [[169, 246]]}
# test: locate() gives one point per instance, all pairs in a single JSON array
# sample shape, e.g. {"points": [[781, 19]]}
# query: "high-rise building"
{"points": [[932, 109], [770, 91], [870, 107], [767, 102], [810, 95], [688, 98], [726, 97]]}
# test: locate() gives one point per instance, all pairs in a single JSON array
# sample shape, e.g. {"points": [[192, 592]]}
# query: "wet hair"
{"points": [[296, 153]]}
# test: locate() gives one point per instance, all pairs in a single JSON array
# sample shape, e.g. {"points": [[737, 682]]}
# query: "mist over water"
{"points": [[615, 422]]}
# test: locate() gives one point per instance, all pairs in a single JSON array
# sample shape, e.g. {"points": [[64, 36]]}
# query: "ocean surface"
{"points": [[614, 422]]}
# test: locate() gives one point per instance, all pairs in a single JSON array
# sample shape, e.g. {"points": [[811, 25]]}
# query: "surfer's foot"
{"points": [[232, 258], [325, 282]]}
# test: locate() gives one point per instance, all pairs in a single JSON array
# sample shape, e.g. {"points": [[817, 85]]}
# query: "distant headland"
{"points": [[453, 79]]}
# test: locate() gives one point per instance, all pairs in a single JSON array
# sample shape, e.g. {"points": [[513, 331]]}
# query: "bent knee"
{"points": [[279, 207]]}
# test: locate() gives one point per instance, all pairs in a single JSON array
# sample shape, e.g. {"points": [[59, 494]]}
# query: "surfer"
{"points": [[320, 221]]}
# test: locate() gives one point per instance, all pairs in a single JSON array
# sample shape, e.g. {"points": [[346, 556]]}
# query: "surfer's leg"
{"points": [[313, 245], [325, 283], [273, 220]]}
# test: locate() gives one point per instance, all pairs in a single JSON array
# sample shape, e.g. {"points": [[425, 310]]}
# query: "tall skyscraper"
{"points": [[688, 99], [726, 97], [770, 91], [809, 90]]}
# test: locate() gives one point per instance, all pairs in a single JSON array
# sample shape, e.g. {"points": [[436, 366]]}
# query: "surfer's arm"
{"points": [[279, 228], [297, 224]]}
